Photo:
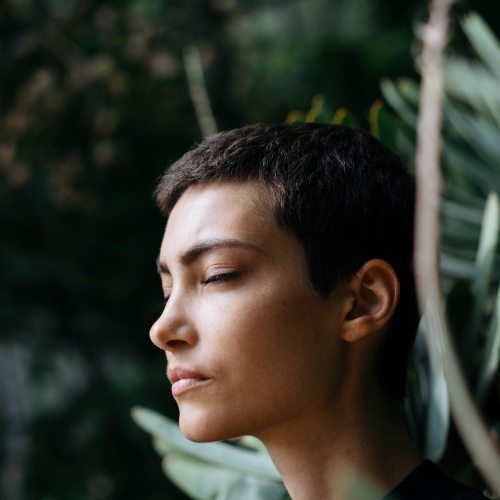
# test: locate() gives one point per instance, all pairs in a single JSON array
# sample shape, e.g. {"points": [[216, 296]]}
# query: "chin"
{"points": [[203, 434], [201, 428]]}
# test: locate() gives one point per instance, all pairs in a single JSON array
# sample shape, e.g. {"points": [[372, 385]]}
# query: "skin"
{"points": [[279, 361]]}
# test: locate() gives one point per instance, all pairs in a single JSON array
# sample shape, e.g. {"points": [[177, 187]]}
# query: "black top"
{"points": [[427, 482]]}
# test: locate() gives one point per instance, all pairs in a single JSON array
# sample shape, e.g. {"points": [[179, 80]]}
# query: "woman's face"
{"points": [[250, 345]]}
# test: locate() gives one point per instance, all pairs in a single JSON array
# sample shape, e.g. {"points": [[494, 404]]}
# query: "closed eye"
{"points": [[221, 277]]}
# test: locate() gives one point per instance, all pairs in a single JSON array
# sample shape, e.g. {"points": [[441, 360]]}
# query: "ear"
{"points": [[374, 291]]}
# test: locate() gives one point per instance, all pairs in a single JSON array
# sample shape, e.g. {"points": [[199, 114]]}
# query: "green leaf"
{"points": [[383, 124], [463, 195], [437, 420], [410, 91], [474, 85], [169, 439], [456, 267], [393, 96], [478, 132], [205, 481], [460, 228], [354, 486], [405, 145], [458, 159], [491, 355], [438, 417], [418, 390], [487, 241], [253, 443], [483, 269], [344, 117], [483, 40]]}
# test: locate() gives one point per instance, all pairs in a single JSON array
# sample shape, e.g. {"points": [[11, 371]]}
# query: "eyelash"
{"points": [[220, 277], [211, 279]]}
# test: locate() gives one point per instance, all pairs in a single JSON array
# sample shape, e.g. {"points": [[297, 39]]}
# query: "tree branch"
{"points": [[198, 91], [465, 414]]}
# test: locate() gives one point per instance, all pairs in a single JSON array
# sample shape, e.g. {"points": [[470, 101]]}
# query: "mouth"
{"points": [[186, 384], [184, 380]]}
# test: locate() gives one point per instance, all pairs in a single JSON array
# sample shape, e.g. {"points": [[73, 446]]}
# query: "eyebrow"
{"points": [[196, 251]]}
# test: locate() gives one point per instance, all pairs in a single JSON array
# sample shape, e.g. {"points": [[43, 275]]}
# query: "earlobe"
{"points": [[375, 294]]}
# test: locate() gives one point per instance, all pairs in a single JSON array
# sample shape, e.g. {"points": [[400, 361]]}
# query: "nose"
{"points": [[173, 330]]}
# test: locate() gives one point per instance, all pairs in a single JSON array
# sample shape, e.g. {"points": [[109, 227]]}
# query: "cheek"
{"points": [[267, 360], [262, 334]]}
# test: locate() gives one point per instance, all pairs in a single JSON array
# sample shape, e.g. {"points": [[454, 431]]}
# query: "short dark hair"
{"points": [[344, 195]]}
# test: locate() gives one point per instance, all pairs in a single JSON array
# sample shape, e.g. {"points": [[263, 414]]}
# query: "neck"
{"points": [[316, 453]]}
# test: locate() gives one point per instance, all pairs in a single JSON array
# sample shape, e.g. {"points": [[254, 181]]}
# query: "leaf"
{"points": [[353, 486], [393, 96], [438, 416], [405, 145], [474, 85], [410, 91], [344, 117], [204, 481], [253, 443], [483, 269], [488, 240], [463, 195], [457, 158], [480, 133], [417, 390], [457, 223], [383, 125], [437, 420], [233, 457], [323, 111], [491, 354], [483, 40], [456, 267], [295, 117]]}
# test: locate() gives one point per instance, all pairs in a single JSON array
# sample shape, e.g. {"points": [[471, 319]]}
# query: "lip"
{"points": [[184, 380]]}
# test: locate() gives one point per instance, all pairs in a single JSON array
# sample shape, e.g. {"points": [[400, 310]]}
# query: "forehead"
{"points": [[222, 210]]}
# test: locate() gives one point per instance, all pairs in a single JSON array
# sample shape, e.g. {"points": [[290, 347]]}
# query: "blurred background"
{"points": [[94, 104]]}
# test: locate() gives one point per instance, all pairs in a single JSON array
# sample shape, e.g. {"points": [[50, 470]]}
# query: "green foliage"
{"points": [[211, 470], [469, 249]]}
